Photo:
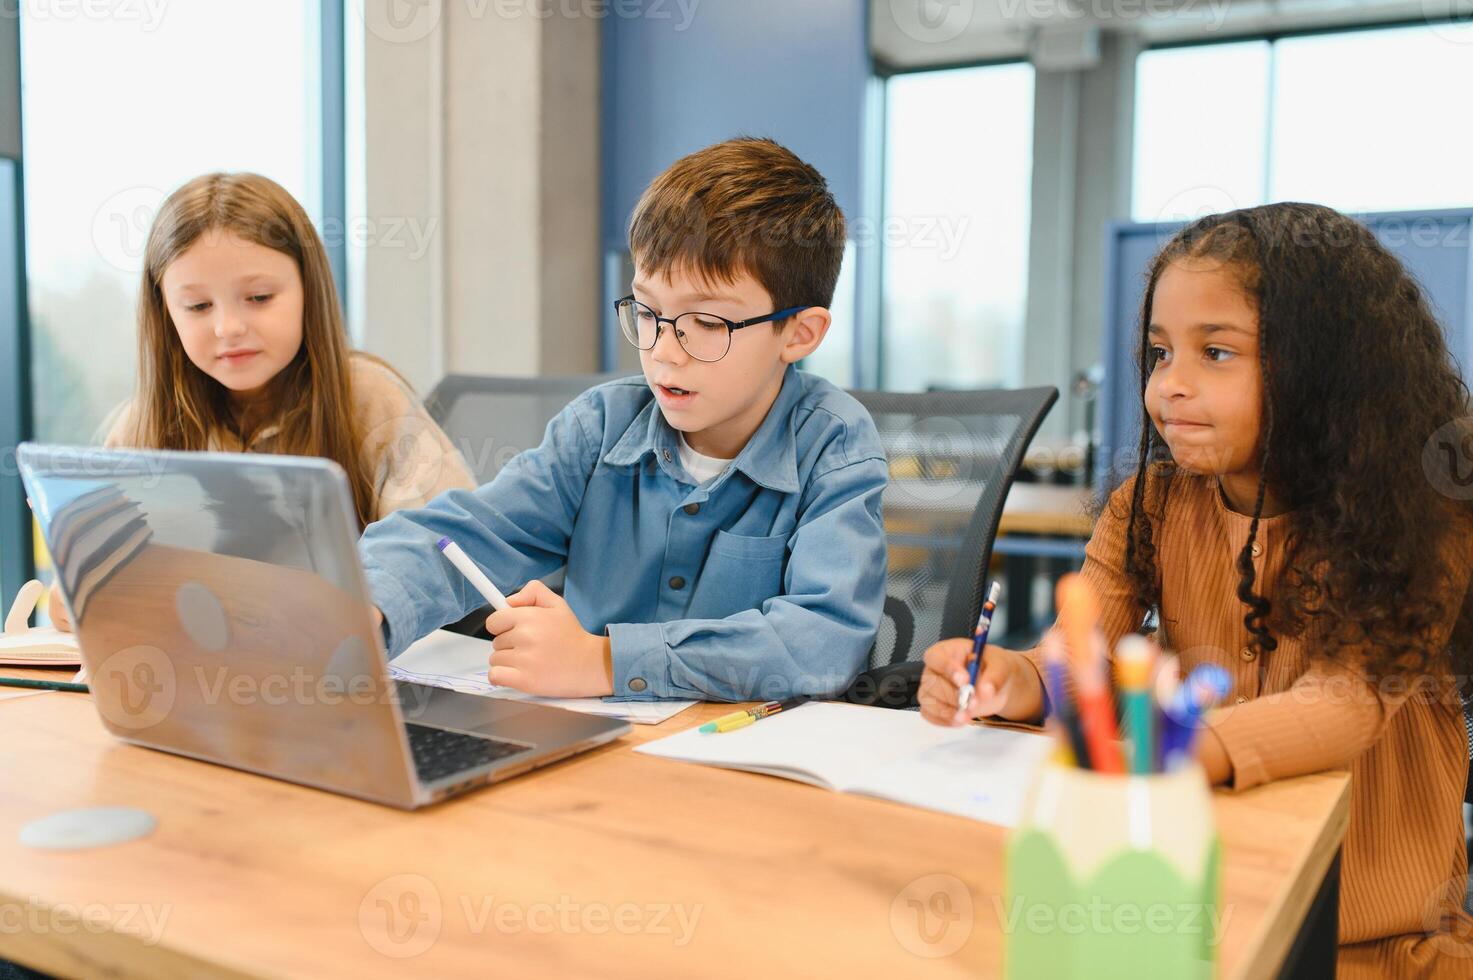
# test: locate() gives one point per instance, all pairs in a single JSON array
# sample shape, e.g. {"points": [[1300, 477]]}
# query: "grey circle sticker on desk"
{"points": [[73, 830], [202, 616]]}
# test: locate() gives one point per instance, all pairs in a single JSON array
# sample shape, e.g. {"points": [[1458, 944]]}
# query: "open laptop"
{"points": [[222, 615]]}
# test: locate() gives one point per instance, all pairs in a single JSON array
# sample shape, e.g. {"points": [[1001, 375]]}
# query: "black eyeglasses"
{"points": [[705, 336]]}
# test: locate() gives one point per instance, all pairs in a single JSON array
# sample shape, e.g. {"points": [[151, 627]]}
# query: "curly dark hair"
{"points": [[1356, 378]]}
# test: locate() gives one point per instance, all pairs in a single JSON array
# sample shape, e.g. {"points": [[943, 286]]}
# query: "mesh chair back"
{"points": [[490, 420], [953, 456]]}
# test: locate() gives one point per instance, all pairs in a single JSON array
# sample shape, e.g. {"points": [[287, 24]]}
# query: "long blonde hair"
{"points": [[177, 405]]}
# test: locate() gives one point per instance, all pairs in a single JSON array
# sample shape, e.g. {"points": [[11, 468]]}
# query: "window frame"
{"points": [[1272, 38], [870, 339], [17, 547]]}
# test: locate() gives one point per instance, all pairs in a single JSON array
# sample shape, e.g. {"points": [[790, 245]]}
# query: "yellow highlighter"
{"points": [[743, 718], [732, 722]]}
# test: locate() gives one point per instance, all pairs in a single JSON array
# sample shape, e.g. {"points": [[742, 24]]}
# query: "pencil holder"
{"points": [[1113, 876]]}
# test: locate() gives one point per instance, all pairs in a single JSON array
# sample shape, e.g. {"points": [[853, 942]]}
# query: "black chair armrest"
{"points": [[890, 686], [473, 624]]}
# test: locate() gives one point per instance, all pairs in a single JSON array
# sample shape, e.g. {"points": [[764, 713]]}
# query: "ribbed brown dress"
{"points": [[1404, 865]]}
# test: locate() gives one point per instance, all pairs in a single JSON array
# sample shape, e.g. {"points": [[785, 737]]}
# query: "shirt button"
{"points": [[692, 509], [1257, 549], [637, 684], [677, 583], [1248, 654], [667, 455], [1240, 699]]}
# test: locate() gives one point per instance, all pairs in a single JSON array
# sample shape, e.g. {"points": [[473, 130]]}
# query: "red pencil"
{"points": [[1079, 616]]}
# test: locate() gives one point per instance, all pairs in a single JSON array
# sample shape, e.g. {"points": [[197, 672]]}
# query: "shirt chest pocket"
{"points": [[740, 573]]}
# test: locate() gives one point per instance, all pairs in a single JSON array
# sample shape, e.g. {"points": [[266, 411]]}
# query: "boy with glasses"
{"points": [[719, 518]]}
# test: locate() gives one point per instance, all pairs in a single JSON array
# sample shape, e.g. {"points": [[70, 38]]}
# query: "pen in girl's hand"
{"points": [[979, 643]]}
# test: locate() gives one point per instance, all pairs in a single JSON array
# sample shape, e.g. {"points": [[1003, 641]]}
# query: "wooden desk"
{"points": [[538, 876], [1030, 508], [1046, 508]]}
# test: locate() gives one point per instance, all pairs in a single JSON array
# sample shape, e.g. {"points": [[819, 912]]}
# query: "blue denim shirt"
{"points": [[766, 582]]}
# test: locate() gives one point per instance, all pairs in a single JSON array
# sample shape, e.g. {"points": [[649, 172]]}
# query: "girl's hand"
{"points": [[56, 609], [1007, 685]]}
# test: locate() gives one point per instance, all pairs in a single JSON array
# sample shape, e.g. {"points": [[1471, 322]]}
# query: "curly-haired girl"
{"points": [[1292, 518]]}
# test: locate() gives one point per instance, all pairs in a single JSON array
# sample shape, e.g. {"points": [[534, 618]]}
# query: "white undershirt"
{"points": [[702, 468]]}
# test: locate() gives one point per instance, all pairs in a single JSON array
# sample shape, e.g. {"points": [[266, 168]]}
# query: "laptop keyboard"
{"points": [[439, 753]]}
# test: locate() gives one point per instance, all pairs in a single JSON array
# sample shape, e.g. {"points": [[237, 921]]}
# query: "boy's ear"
{"points": [[805, 333]]}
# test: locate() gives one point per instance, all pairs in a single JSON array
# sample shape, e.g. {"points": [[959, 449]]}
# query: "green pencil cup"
{"points": [[1113, 877]]}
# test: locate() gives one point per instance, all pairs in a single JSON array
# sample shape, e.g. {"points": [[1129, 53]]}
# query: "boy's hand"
{"points": [[1007, 685], [541, 648]]}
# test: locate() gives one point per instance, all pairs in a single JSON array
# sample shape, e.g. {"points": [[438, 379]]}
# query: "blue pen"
{"points": [[1203, 688], [979, 643]]}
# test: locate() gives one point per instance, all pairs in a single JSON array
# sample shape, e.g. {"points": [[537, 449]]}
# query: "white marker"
{"points": [[473, 574]]}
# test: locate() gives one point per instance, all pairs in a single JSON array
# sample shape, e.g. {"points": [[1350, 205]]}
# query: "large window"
{"points": [[1360, 121], [958, 169], [120, 104], [117, 111]]}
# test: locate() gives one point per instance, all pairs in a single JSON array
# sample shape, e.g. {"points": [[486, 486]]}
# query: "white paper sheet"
{"points": [[458, 663], [976, 772]]}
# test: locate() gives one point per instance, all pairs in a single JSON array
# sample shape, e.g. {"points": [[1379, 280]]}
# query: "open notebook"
{"points": [[458, 663], [43, 647], [22, 645], [977, 772]]}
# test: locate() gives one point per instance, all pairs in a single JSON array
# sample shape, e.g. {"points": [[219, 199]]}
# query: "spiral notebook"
{"points": [[981, 772]]}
